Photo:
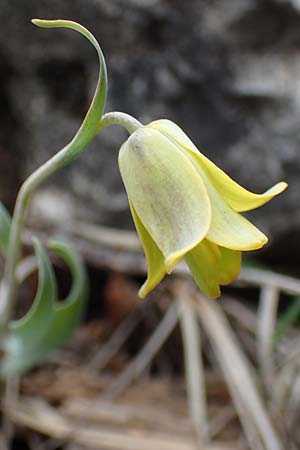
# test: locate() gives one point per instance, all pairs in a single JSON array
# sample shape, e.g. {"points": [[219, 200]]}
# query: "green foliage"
{"points": [[90, 125], [5, 222], [287, 319], [49, 323]]}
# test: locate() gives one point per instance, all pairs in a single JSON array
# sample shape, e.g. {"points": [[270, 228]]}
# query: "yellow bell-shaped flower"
{"points": [[184, 206]]}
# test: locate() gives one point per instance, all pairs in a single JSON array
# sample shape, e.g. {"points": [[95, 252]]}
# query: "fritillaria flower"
{"points": [[185, 207]]}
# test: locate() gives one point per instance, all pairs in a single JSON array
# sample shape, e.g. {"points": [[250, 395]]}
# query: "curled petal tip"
{"points": [[279, 187], [263, 242], [256, 245], [142, 293], [147, 287]]}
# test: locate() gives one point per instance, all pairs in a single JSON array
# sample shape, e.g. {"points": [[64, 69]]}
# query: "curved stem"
{"points": [[60, 159], [84, 135], [93, 123], [119, 118], [7, 288]]}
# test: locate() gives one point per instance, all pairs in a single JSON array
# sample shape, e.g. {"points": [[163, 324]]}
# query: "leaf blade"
{"points": [[49, 323], [5, 223]]}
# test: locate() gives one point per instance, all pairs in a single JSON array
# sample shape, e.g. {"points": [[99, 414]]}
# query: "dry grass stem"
{"points": [[123, 414], [221, 420], [259, 277], [241, 313], [11, 395], [194, 370], [251, 434], [110, 348], [266, 321], [153, 345], [44, 419], [294, 397], [113, 237], [284, 381], [237, 371]]}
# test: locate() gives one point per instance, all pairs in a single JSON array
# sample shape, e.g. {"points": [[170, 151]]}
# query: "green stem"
{"points": [[91, 125], [60, 159], [119, 118], [95, 112]]}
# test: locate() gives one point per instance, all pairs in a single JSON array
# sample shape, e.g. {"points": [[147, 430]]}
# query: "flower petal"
{"points": [[212, 265], [167, 192], [237, 197], [203, 261], [228, 228], [174, 132], [154, 257], [230, 265]]}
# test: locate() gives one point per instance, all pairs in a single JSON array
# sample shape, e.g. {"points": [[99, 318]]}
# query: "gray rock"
{"points": [[227, 72]]}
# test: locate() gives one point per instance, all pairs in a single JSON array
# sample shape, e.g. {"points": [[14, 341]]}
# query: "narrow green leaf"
{"points": [[287, 319], [49, 323], [31, 328], [5, 221], [67, 314]]}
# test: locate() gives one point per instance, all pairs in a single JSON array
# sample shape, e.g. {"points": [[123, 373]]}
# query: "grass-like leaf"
{"points": [[287, 319], [5, 221]]}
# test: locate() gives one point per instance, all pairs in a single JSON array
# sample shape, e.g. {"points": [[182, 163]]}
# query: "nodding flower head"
{"points": [[185, 207]]}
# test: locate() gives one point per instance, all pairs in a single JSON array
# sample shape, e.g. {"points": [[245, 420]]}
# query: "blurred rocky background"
{"points": [[228, 72]]}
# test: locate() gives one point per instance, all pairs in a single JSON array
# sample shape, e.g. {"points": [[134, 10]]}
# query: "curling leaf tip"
{"points": [[91, 122], [44, 23]]}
